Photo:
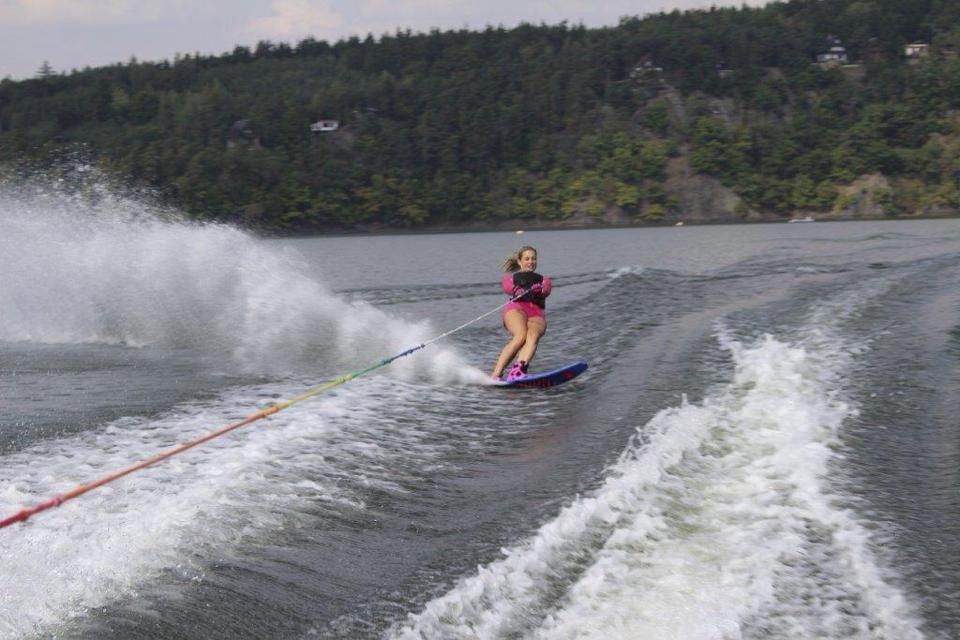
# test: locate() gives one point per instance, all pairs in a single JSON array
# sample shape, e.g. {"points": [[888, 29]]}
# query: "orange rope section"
{"points": [[56, 501], [82, 489]]}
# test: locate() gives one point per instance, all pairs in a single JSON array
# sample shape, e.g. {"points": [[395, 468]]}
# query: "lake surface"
{"points": [[766, 444]]}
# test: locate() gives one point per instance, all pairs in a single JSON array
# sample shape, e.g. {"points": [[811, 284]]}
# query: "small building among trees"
{"points": [[321, 126], [916, 49], [834, 57], [241, 134]]}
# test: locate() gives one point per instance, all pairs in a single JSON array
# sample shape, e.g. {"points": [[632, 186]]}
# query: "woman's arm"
{"points": [[506, 283], [546, 286]]}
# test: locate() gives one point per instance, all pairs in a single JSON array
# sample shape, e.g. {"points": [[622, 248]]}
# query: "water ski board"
{"points": [[546, 379]]}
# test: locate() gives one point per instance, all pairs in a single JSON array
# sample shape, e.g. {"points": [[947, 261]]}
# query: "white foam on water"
{"points": [[721, 520], [117, 271], [627, 271], [279, 474]]}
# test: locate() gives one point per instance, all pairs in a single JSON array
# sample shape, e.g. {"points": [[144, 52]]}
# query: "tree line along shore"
{"points": [[821, 108]]}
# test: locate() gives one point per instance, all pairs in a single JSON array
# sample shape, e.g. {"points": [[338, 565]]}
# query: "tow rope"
{"points": [[78, 491]]}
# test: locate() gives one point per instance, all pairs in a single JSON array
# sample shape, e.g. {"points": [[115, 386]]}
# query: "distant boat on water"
{"points": [[804, 219]]}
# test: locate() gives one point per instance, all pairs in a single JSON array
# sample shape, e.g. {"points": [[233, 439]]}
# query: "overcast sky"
{"points": [[72, 34]]}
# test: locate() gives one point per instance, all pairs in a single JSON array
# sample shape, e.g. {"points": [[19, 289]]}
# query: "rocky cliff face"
{"points": [[700, 198], [869, 196]]}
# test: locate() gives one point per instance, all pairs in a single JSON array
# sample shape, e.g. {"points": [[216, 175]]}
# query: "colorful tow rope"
{"points": [[56, 501]]}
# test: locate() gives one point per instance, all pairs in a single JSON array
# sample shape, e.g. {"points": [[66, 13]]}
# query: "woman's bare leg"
{"points": [[516, 323], [536, 327]]}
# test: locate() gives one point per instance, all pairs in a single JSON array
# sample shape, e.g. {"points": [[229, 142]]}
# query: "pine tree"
{"points": [[45, 71]]}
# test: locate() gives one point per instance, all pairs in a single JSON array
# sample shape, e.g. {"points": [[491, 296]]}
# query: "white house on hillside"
{"points": [[325, 125], [835, 56], [916, 49]]}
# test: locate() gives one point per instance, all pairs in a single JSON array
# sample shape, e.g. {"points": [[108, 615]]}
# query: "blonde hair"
{"points": [[513, 262]]}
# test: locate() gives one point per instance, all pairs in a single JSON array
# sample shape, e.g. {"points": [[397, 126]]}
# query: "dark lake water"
{"points": [[766, 444]]}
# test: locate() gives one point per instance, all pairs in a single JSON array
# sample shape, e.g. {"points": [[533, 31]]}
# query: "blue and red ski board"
{"points": [[545, 379]]}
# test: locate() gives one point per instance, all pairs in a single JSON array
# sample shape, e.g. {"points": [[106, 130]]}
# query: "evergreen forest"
{"points": [[786, 107]]}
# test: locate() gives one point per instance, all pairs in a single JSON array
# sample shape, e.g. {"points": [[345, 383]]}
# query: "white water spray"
{"points": [[117, 271]]}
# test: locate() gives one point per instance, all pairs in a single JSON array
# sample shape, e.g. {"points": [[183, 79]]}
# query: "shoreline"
{"points": [[516, 226]]}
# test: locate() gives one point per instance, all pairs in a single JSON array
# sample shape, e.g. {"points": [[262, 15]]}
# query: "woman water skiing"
{"points": [[524, 316]]}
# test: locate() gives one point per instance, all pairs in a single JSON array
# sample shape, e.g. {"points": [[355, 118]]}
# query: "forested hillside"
{"points": [[788, 108]]}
